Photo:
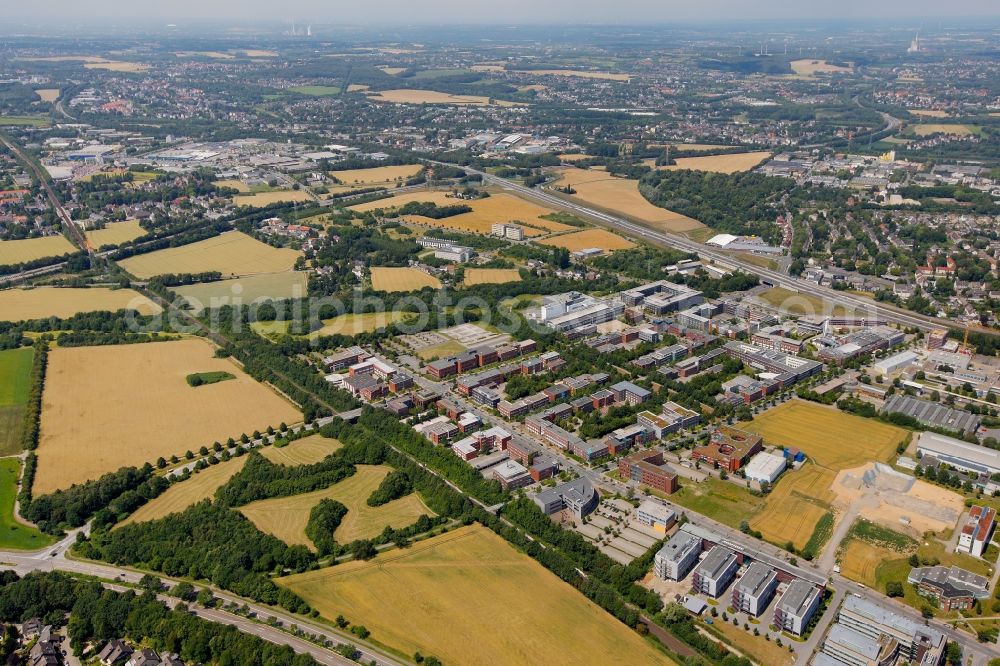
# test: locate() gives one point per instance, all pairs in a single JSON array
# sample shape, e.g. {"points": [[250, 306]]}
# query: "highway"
{"points": [[862, 306]]}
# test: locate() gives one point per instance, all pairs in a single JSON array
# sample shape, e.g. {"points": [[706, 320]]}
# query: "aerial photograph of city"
{"points": [[567, 333]]}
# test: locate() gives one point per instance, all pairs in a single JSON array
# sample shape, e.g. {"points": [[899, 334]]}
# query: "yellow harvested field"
{"points": [[589, 238], [491, 275], [231, 253], [809, 67], [402, 279], [218, 55], [306, 451], [796, 503], [136, 405], [234, 184], [485, 212], [64, 302], [287, 517], [621, 195], [183, 494], [860, 559], [115, 233], [926, 129], [407, 96], [118, 66], [414, 599], [67, 58], [831, 438], [392, 71], [261, 199], [48, 94], [260, 53], [353, 324], [731, 163], [573, 157], [29, 249], [486, 67], [578, 73], [378, 176], [357, 87], [926, 113]]}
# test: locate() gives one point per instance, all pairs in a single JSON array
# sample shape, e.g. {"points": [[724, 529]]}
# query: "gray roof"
{"points": [[756, 578], [631, 388], [932, 413], [577, 491], [878, 615], [941, 445], [846, 637], [797, 597], [678, 546], [717, 561]]}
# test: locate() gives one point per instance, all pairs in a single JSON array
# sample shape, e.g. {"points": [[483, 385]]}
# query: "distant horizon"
{"points": [[554, 13]]}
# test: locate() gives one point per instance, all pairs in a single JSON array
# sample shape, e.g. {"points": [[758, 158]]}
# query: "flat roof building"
{"points": [[755, 588], [960, 455], [655, 515], [674, 560], [714, 573], [796, 606], [765, 467], [577, 495]]}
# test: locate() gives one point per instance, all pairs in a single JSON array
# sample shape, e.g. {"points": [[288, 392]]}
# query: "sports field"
{"points": [[13, 533], [232, 253], [48, 94], [925, 129], [183, 494], [485, 212], [795, 505], [137, 406], [15, 383], [503, 602], [115, 233], [42, 302], [731, 163], [387, 175], [491, 275], [809, 67], [621, 195], [29, 249], [246, 290], [353, 324], [406, 96], [261, 199], [576, 73], [831, 438], [287, 517], [306, 451], [402, 279], [589, 238]]}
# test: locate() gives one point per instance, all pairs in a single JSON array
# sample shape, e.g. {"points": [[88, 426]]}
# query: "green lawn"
{"points": [[720, 500], [34, 121], [15, 383], [317, 91], [13, 534]]}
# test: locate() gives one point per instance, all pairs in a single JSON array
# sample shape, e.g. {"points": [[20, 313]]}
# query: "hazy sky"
{"points": [[499, 12]]}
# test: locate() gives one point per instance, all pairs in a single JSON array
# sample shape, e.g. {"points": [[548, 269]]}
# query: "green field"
{"points": [[24, 121], [720, 500], [13, 534], [15, 383], [317, 91], [245, 290]]}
